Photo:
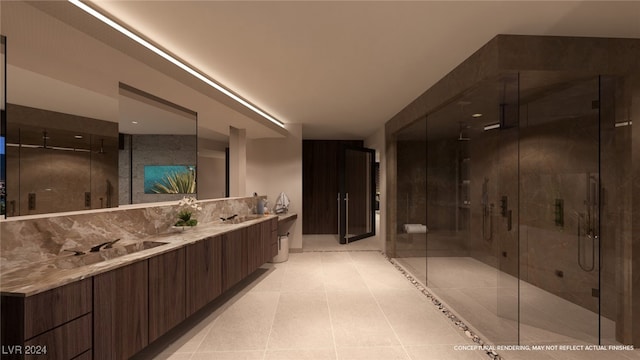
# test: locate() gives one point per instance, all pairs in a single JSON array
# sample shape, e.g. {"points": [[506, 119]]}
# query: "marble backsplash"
{"points": [[28, 240]]}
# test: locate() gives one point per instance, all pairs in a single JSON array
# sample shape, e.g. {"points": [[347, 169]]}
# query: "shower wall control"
{"points": [[32, 201], [504, 205], [559, 212]]}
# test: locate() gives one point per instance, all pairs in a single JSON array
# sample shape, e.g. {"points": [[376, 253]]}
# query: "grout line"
{"points": [[326, 297], [382, 311], [209, 327], [492, 354], [273, 320]]}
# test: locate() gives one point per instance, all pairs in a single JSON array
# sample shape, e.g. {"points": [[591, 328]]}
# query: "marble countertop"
{"points": [[287, 217], [38, 277]]}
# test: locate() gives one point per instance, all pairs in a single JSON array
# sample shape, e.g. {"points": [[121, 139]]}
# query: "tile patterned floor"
{"points": [[328, 303], [470, 288], [323, 305]]}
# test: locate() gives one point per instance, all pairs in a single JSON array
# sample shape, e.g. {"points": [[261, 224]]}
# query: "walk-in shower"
{"points": [[526, 219]]}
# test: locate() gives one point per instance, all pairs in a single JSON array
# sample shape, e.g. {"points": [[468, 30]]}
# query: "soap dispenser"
{"points": [[260, 207]]}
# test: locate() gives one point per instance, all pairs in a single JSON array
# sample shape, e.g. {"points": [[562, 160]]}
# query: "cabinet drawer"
{"points": [[64, 342], [166, 292], [203, 273], [54, 307]]}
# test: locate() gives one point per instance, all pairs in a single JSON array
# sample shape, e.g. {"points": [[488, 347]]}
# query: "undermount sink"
{"points": [[74, 261]]}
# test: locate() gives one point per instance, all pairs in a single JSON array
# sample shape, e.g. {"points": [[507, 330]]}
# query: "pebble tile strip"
{"points": [[492, 354], [459, 323]]}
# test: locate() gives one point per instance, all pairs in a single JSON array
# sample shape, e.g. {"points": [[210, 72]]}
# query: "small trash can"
{"points": [[283, 249]]}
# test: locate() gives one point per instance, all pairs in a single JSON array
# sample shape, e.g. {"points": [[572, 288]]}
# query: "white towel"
{"points": [[282, 204], [415, 228]]}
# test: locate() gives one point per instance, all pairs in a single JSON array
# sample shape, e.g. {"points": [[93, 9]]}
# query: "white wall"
{"points": [[211, 177], [377, 142], [54, 66], [275, 166]]}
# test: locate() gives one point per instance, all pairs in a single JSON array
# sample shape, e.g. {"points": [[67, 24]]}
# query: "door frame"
{"points": [[343, 195]]}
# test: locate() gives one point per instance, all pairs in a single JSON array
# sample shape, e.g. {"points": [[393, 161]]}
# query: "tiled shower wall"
{"points": [[411, 206], [59, 179], [554, 160]]}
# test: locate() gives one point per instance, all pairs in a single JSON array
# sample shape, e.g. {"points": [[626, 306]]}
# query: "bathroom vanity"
{"points": [[65, 308]]}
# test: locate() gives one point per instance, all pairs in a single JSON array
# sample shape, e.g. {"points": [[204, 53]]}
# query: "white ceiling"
{"points": [[342, 69]]}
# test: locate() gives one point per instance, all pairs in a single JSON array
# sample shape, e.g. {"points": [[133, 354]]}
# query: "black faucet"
{"points": [[229, 218], [107, 245], [76, 252]]}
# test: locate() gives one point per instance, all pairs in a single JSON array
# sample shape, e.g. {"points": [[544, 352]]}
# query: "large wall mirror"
{"points": [[85, 130], [158, 148]]}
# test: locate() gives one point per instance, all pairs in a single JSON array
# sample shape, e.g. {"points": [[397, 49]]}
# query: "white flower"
{"points": [[190, 202]]}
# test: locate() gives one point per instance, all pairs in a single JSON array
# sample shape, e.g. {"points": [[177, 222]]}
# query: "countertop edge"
{"points": [[108, 265]]}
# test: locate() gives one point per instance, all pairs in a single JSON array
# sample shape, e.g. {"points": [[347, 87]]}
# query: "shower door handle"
{"points": [[581, 256]]}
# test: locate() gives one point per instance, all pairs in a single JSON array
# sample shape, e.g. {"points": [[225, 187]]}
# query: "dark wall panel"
{"points": [[321, 161]]}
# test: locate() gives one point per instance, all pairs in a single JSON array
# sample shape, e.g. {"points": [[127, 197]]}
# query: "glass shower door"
{"points": [[559, 180]]}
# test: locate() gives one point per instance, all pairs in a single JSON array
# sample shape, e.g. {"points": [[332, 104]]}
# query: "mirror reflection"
{"points": [[71, 140], [157, 148], [59, 162]]}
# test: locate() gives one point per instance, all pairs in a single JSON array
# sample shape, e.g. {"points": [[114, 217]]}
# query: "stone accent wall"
{"points": [[45, 237], [152, 150]]}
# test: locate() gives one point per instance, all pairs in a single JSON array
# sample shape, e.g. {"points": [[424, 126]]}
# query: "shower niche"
{"points": [[527, 175]]}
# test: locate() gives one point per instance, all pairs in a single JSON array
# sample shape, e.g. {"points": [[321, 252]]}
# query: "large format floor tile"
{"points": [[323, 305], [301, 322], [352, 305], [502, 309], [358, 320], [245, 325]]}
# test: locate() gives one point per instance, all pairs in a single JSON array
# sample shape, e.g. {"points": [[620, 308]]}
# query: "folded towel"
{"points": [[415, 228]]}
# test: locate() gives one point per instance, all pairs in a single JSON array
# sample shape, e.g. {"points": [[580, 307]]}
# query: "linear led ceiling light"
{"points": [[492, 126], [173, 60]]}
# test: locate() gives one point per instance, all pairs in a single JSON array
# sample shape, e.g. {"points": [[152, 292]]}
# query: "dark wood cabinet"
{"points": [[116, 314], [234, 259], [50, 319], [87, 355], [254, 248], [120, 312], [64, 342], [203, 273], [269, 240], [167, 306]]}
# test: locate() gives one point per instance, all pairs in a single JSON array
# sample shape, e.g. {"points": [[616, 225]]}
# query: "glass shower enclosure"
{"points": [[523, 198]]}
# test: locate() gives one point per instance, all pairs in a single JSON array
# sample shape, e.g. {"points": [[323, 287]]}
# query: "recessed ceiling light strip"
{"points": [[492, 126], [173, 60]]}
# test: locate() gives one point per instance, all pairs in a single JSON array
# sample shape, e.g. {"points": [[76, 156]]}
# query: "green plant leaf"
{"points": [[176, 183]]}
